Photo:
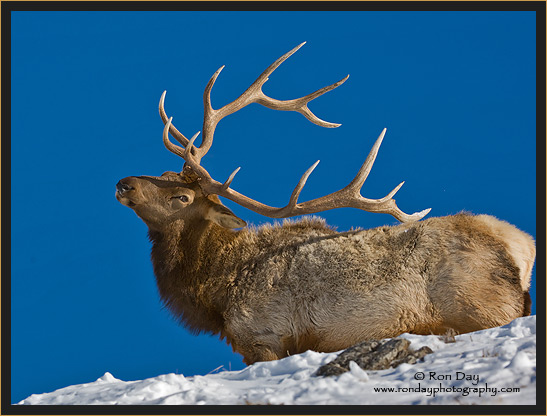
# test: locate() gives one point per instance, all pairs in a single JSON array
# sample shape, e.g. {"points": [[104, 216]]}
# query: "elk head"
{"points": [[172, 198], [192, 194]]}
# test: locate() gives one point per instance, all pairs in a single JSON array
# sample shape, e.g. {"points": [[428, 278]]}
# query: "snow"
{"points": [[483, 367]]}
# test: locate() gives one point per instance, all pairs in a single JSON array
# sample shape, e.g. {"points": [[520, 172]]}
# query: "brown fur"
{"points": [[285, 288]]}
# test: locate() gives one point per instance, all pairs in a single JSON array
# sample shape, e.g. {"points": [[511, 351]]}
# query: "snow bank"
{"points": [[493, 366]]}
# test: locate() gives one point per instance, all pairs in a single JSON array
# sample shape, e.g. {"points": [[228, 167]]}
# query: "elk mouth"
{"points": [[124, 200]]}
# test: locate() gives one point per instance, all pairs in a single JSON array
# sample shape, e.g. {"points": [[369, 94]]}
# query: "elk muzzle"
{"points": [[124, 189]]}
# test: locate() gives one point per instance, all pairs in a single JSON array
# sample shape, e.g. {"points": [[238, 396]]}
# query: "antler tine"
{"points": [[190, 145], [264, 76], [296, 193], [357, 183], [173, 148], [226, 184], [208, 88], [173, 130], [301, 104]]}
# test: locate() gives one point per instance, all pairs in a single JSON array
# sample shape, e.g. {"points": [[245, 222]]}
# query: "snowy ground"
{"points": [[494, 366]]}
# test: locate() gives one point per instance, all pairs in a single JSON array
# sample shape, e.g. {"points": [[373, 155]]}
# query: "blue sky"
{"points": [[456, 91]]}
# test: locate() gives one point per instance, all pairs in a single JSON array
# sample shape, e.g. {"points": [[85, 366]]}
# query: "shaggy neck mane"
{"points": [[184, 260]]}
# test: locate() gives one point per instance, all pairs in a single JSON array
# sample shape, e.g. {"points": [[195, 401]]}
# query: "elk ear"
{"points": [[222, 216]]}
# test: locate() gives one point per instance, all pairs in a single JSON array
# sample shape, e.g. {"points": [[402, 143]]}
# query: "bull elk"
{"points": [[285, 288]]}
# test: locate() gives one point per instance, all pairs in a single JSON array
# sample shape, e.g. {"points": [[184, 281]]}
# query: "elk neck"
{"points": [[185, 260]]}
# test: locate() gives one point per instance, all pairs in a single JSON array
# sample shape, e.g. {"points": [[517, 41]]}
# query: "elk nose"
{"points": [[122, 188]]}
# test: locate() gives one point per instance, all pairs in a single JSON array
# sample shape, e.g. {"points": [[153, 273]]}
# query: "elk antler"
{"points": [[253, 94], [349, 196]]}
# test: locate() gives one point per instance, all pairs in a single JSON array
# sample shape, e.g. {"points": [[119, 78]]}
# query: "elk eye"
{"points": [[183, 198]]}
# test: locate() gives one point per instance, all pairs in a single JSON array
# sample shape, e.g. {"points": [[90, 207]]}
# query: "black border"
{"points": [[273, 5], [8, 6]]}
